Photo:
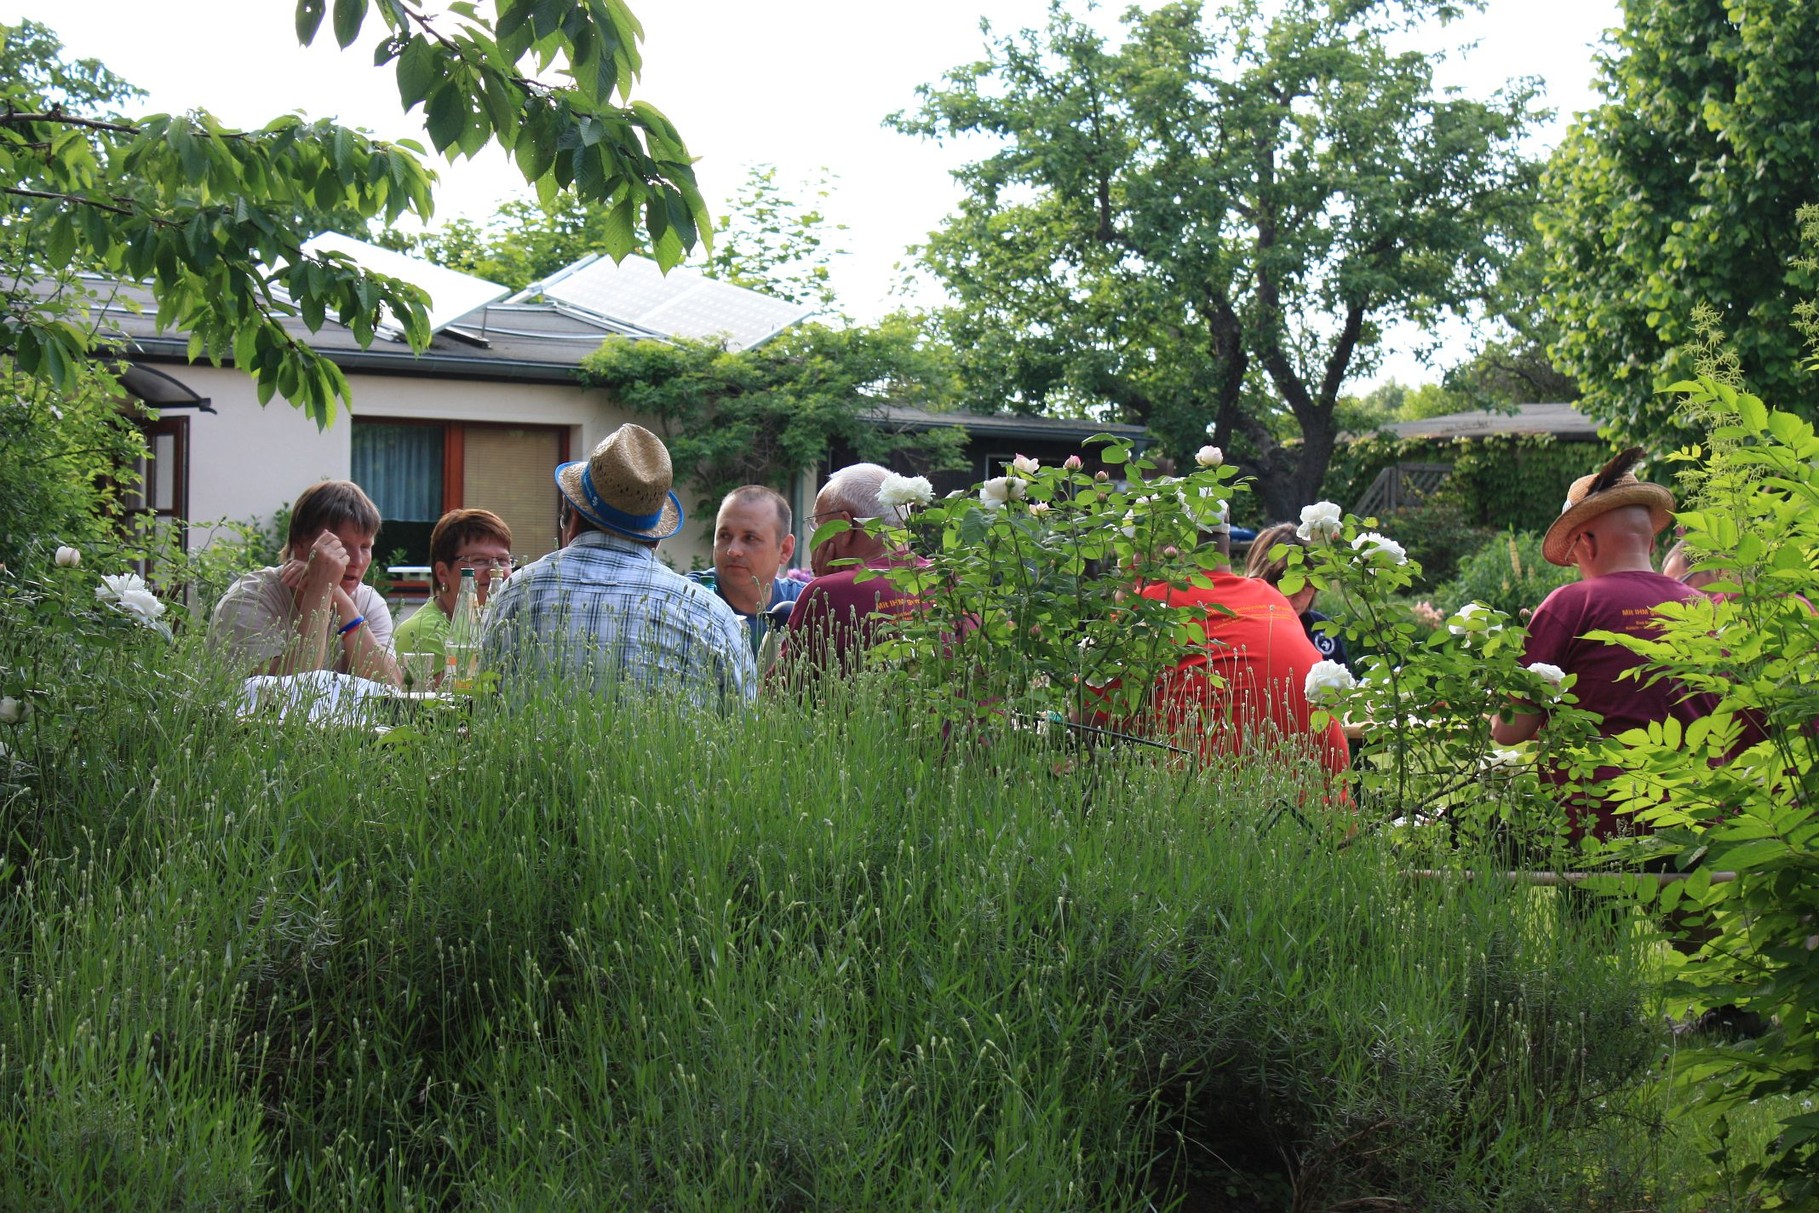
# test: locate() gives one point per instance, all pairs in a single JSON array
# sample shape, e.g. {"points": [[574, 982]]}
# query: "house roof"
{"points": [[1558, 420], [682, 303], [538, 342], [1004, 425], [539, 335]]}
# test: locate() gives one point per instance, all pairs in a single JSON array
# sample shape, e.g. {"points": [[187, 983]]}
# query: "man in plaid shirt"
{"points": [[603, 610]]}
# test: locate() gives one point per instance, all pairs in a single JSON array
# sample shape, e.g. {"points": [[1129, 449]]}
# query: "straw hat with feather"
{"points": [[1611, 488], [624, 486]]}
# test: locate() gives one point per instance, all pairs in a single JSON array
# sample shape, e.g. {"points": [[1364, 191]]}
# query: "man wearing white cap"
{"points": [[1607, 528], [603, 609]]}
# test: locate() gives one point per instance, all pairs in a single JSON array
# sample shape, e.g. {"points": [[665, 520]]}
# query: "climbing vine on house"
{"points": [[758, 416]]}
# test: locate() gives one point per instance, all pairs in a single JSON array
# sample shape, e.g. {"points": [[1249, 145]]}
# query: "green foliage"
{"points": [[1675, 192], [1428, 696], [1516, 481], [214, 218], [521, 244], [1207, 227], [573, 955], [766, 241], [1030, 615], [61, 459], [757, 416], [772, 242], [1507, 573], [1754, 521]]}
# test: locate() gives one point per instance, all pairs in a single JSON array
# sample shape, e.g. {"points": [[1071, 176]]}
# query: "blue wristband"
{"points": [[351, 624]]}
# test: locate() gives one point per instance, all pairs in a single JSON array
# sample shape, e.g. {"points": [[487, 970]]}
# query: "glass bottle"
{"points": [[461, 651]]}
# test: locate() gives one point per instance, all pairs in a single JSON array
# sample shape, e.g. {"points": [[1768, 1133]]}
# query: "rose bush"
{"points": [[1033, 616]]}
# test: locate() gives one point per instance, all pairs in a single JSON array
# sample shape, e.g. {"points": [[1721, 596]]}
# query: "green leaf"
{"points": [[446, 115], [349, 14], [309, 19], [1753, 413], [418, 71]]}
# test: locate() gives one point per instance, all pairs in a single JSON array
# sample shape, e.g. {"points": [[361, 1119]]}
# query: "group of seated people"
{"points": [[603, 608]]}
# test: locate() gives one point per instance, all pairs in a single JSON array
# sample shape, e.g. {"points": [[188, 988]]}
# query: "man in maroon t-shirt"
{"points": [[837, 617], [1608, 530]]}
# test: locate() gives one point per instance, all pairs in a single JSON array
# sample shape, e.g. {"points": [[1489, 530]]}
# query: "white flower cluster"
{"points": [[1460, 624], [999, 491], [1326, 679], [1319, 522], [1370, 545], [128, 593], [899, 492]]}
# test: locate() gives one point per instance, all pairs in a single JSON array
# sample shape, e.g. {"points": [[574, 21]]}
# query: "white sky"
{"points": [[800, 85]]}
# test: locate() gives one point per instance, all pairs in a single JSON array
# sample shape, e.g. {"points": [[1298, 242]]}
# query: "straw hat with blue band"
{"points": [[624, 486]]}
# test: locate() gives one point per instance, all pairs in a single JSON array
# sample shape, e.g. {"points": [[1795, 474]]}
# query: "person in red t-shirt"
{"points": [[837, 617], [1608, 530], [1253, 640]]}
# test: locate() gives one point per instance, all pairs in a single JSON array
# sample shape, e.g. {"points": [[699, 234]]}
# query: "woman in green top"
{"points": [[463, 539]]}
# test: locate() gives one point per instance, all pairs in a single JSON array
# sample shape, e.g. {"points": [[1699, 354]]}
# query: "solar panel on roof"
{"points": [[683, 303], [452, 294]]}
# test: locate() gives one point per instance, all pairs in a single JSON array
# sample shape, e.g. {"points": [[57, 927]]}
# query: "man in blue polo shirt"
{"points": [[753, 544]]}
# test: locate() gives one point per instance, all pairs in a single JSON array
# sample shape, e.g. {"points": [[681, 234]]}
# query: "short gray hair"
{"points": [[855, 489]]}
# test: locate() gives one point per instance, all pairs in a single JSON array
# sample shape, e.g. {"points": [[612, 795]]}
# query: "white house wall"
{"points": [[246, 460]]}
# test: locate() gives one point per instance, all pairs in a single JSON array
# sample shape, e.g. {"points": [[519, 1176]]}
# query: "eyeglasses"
{"points": [[486, 562]]}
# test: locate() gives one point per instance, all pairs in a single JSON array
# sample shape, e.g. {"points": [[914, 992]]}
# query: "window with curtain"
{"points": [[400, 467]]}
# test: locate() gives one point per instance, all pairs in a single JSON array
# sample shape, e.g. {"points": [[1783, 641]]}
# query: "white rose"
{"points": [[1023, 465], [1458, 625], [1072, 463], [995, 493], [1371, 544], [899, 491], [68, 558], [1040, 507], [1499, 757], [12, 711], [114, 585], [1209, 456], [142, 603], [1319, 522], [1552, 674], [1326, 678]]}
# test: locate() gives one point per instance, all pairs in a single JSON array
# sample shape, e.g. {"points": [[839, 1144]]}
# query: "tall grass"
{"points": [[582, 954]]}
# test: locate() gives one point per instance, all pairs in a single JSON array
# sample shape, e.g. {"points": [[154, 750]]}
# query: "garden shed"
{"points": [[1500, 468]]}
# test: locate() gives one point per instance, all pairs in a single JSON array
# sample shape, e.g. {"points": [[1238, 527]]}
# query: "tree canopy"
{"points": [[766, 239], [214, 218], [1206, 227], [1682, 189]]}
